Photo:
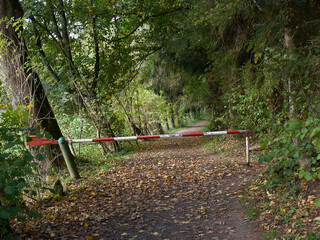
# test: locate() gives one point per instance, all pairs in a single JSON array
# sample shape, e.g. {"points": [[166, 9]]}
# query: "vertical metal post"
{"points": [[68, 157], [247, 148]]}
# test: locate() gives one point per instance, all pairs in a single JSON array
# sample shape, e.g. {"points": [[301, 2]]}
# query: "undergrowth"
{"points": [[286, 208]]}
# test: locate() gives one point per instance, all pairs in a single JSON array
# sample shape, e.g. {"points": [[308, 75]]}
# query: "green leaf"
{"points": [[4, 213], [21, 218], [22, 184], [315, 131], [40, 157], [250, 46], [19, 162], [317, 202], [14, 172], [27, 156], [10, 190], [13, 211], [308, 176], [47, 135]]}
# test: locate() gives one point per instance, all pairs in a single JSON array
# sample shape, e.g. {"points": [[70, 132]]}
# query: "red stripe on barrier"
{"points": [[192, 134], [148, 137], [233, 132], [102, 139], [41, 141]]}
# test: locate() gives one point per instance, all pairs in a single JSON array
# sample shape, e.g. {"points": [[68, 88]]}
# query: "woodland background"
{"points": [[94, 68]]}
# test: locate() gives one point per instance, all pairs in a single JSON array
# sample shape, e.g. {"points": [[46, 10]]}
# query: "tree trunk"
{"points": [[100, 146], [289, 46], [159, 126], [23, 84], [172, 117], [167, 124]]}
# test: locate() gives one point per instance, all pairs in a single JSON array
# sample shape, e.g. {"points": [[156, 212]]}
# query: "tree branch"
{"points": [[145, 20], [41, 52]]}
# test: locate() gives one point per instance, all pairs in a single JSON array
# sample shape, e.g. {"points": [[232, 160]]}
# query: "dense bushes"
{"points": [[17, 166]]}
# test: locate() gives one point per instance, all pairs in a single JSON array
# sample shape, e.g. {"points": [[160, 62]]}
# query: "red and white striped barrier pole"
{"points": [[43, 141]]}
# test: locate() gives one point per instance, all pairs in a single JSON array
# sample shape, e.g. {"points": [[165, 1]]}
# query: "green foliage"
{"points": [[296, 142], [16, 165], [249, 110]]}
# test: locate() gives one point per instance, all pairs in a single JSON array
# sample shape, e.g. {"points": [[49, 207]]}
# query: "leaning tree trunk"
{"points": [[22, 83]]}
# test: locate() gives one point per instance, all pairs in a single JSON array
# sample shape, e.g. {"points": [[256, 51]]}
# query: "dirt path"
{"points": [[172, 189]]}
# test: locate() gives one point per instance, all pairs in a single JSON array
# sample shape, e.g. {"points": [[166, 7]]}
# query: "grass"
{"points": [[253, 213], [269, 235]]}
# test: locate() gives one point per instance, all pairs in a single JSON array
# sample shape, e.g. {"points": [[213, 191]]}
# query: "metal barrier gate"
{"points": [[70, 162]]}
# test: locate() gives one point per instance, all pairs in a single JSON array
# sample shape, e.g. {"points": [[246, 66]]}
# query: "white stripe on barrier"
{"points": [[125, 138], [79, 140], [171, 135], [215, 133]]}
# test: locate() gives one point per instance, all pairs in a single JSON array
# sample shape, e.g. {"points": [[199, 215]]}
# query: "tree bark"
{"points": [[289, 46], [23, 84]]}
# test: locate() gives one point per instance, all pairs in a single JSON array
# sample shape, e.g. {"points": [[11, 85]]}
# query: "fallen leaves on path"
{"points": [[173, 189]]}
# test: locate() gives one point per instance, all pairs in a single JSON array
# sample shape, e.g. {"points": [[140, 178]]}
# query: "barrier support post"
{"points": [[69, 159], [247, 149]]}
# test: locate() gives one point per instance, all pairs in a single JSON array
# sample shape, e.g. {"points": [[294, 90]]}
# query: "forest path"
{"points": [[171, 189]]}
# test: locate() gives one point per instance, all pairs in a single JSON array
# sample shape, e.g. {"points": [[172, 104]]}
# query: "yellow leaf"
{"points": [[86, 224], [96, 234], [155, 233], [89, 238]]}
